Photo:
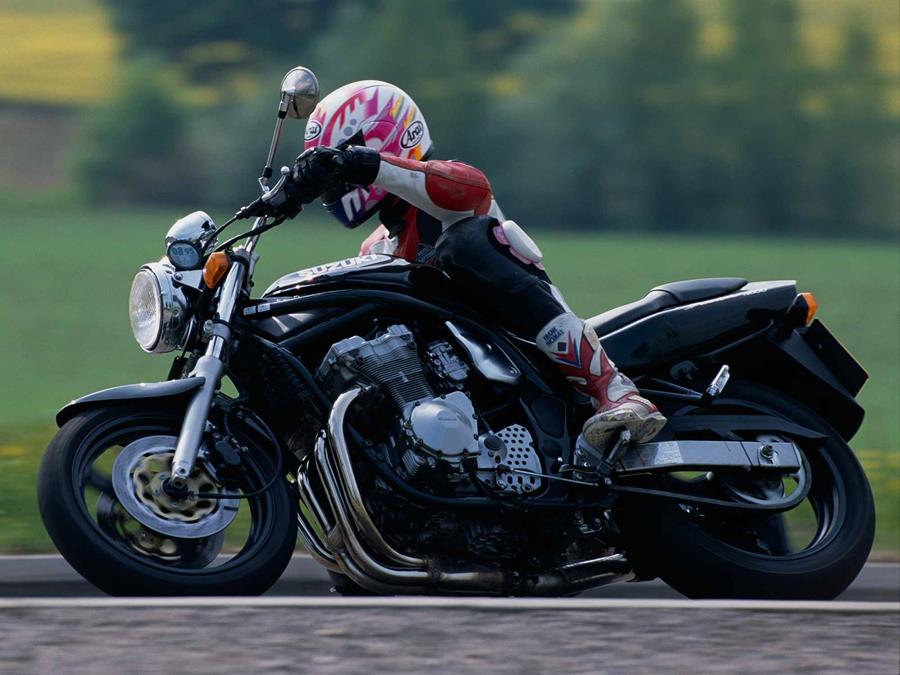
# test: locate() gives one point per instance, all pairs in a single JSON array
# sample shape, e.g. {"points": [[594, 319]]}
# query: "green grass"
{"points": [[64, 280]]}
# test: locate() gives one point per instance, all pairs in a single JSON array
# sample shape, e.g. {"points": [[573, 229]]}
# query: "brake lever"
{"points": [[269, 194], [259, 206]]}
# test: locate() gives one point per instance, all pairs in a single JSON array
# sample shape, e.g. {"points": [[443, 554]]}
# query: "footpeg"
{"points": [[589, 461]]}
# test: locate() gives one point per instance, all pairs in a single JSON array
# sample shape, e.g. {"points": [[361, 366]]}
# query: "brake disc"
{"points": [[138, 475], [193, 553]]}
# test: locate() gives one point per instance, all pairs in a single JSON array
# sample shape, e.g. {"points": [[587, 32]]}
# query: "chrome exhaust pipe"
{"points": [[350, 487], [360, 551], [368, 566], [344, 537], [308, 530], [580, 576], [316, 551]]}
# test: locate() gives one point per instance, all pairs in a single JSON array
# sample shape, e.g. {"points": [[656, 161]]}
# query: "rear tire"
{"points": [[696, 563]]}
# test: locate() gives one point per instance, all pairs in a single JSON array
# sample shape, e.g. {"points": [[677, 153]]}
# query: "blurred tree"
{"points": [[215, 41], [597, 133], [582, 113], [419, 45], [134, 148], [235, 138], [498, 30], [231, 39], [759, 121], [855, 170], [424, 47]]}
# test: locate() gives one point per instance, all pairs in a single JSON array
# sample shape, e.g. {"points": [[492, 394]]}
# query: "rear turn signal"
{"points": [[215, 268], [811, 306]]}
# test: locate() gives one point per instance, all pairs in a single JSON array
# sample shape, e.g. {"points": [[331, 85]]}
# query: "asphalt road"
{"points": [[345, 635], [53, 621], [51, 576]]}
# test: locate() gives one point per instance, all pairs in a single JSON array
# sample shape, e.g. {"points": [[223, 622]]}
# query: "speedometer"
{"points": [[184, 255]]}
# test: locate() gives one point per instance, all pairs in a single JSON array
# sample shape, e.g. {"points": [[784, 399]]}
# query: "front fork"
{"points": [[210, 366]]}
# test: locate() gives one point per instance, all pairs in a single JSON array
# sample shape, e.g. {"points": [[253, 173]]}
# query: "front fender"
{"points": [[128, 392]]}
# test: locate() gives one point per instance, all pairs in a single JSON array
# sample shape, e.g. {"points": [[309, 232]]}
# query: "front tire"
{"points": [[70, 470], [700, 564]]}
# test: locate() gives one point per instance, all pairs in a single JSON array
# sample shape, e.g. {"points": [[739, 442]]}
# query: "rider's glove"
{"points": [[278, 204], [317, 171], [321, 169]]}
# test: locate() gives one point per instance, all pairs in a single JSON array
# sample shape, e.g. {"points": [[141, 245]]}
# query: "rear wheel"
{"points": [[813, 551], [99, 492]]}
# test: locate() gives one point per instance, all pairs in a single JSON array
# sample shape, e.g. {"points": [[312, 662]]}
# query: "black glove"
{"points": [[317, 171], [282, 203], [322, 169]]}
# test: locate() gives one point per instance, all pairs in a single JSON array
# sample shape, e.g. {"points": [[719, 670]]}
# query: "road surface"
{"points": [[51, 576]]}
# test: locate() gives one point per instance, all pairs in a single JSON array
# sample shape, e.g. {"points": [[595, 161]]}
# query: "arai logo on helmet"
{"points": [[313, 129], [413, 134]]}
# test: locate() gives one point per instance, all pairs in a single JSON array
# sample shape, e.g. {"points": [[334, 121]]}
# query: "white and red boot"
{"points": [[574, 347]]}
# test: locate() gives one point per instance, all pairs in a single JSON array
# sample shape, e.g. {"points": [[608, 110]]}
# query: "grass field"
{"points": [[64, 281]]}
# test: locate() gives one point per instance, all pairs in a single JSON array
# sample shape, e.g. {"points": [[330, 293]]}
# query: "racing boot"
{"points": [[574, 347]]}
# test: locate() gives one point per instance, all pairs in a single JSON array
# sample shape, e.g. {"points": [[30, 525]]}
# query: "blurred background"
{"points": [[640, 141]]}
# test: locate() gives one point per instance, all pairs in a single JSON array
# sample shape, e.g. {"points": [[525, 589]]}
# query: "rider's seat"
{"points": [[662, 297]]}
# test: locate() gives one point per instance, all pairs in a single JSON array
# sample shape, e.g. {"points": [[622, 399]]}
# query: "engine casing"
{"points": [[442, 429]]}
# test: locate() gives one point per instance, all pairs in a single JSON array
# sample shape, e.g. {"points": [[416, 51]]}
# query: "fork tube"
{"points": [[210, 367]]}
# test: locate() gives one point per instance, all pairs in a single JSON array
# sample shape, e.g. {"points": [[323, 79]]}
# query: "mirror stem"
{"points": [[276, 137]]}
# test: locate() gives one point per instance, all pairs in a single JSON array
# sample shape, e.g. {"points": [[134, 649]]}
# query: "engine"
{"points": [[440, 435]]}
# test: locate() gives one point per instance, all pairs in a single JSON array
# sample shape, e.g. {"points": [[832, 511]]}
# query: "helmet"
{"points": [[377, 115]]}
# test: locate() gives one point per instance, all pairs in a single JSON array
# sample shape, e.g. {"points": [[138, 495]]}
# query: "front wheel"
{"points": [[107, 464], [811, 552]]}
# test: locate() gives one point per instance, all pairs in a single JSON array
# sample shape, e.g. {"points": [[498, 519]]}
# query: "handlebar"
{"points": [[273, 197]]}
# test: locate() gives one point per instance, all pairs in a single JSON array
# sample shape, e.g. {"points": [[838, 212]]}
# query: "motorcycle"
{"points": [[417, 447]]}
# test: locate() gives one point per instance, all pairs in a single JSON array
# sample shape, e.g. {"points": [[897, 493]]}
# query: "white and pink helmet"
{"points": [[377, 115]]}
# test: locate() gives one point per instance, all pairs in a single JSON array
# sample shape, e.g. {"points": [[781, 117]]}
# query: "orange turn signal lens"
{"points": [[811, 306], [215, 268]]}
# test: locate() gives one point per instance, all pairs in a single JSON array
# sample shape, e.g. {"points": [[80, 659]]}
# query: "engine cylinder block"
{"points": [[390, 360]]}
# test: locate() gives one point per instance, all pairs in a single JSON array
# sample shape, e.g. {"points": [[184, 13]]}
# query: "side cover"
{"points": [[680, 331]]}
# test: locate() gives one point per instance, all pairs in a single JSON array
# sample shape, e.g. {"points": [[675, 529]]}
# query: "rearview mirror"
{"points": [[300, 92]]}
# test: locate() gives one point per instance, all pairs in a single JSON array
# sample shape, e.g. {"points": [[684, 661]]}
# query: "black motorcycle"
{"points": [[417, 447]]}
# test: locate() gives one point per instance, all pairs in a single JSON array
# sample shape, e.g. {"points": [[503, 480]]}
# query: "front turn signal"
{"points": [[215, 268], [811, 306]]}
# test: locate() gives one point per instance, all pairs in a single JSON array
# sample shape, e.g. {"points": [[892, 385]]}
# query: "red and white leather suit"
{"points": [[444, 213]]}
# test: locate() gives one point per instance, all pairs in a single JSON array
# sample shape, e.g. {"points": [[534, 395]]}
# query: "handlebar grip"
{"points": [[255, 208]]}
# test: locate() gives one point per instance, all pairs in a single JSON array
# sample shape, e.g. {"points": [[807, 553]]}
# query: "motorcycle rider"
{"points": [[368, 150]]}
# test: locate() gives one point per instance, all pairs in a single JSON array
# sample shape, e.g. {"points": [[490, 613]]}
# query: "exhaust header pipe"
{"points": [[355, 547]]}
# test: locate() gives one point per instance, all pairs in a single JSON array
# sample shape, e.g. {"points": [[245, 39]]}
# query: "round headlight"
{"points": [[145, 308], [158, 310]]}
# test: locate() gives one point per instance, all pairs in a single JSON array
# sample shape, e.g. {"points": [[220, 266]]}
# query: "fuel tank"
{"points": [[373, 270]]}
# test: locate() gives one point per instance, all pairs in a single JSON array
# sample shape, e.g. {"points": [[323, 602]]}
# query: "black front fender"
{"points": [[128, 392]]}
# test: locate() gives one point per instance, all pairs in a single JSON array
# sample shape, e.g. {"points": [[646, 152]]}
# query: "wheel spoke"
{"points": [[99, 482]]}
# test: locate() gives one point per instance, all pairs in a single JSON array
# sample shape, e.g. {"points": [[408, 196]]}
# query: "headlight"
{"points": [[158, 310]]}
